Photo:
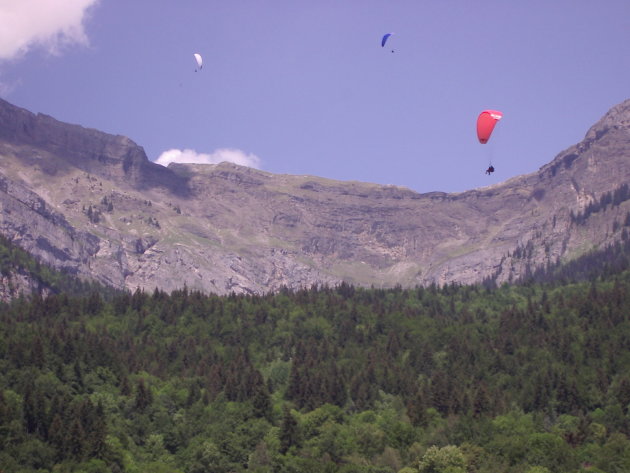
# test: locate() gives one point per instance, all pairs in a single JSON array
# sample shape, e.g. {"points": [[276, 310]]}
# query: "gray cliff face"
{"points": [[92, 204], [16, 284]]}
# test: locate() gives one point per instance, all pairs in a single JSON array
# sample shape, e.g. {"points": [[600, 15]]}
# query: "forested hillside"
{"points": [[21, 273], [531, 378], [611, 260]]}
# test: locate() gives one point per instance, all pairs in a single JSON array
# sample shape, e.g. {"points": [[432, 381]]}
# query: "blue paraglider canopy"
{"points": [[385, 38]]}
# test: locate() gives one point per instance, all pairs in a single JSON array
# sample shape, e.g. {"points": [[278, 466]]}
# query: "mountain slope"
{"points": [[22, 275], [94, 205]]}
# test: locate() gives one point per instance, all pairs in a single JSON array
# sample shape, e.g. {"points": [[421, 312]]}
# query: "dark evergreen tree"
{"points": [[417, 409], [261, 400], [144, 397], [289, 435]]}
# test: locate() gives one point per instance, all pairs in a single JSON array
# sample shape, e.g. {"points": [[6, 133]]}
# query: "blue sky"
{"points": [[304, 86]]}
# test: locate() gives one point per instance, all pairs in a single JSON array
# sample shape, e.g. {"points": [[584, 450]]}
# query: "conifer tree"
{"points": [[57, 436], [143, 398], [288, 430], [417, 409]]}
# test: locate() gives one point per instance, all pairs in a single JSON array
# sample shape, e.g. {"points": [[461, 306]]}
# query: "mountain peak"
{"points": [[617, 117], [114, 157]]}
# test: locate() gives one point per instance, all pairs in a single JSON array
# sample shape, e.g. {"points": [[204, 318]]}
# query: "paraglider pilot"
{"points": [[490, 170]]}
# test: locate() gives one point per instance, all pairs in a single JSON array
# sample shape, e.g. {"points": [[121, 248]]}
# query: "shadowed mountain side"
{"points": [[223, 228], [104, 155]]}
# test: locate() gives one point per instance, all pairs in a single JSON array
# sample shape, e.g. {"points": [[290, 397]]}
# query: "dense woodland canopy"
{"points": [[527, 378]]}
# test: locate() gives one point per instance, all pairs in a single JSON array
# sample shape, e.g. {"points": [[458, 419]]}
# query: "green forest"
{"points": [[525, 378]]}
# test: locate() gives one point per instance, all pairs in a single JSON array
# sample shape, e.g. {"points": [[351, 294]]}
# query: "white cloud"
{"points": [[235, 156], [50, 24]]}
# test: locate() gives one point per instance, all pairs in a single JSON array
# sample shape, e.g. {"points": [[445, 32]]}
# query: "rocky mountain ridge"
{"points": [[93, 205]]}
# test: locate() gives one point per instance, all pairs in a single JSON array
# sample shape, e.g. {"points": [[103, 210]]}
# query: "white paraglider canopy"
{"points": [[199, 61]]}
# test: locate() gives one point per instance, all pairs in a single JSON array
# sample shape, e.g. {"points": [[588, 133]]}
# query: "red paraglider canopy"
{"points": [[485, 124]]}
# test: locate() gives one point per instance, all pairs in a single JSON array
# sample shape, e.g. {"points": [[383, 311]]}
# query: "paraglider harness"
{"points": [[490, 170]]}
